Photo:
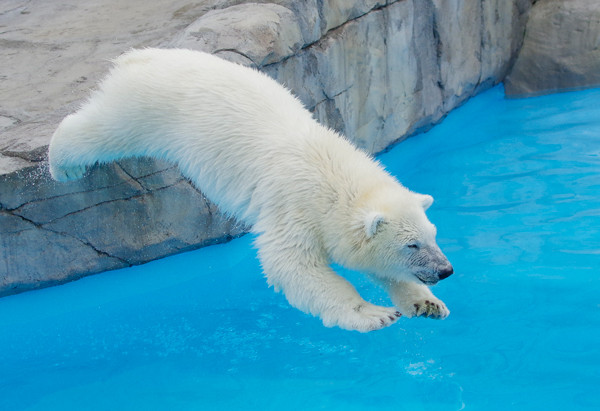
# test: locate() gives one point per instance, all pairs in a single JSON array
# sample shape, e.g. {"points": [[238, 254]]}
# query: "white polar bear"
{"points": [[311, 197]]}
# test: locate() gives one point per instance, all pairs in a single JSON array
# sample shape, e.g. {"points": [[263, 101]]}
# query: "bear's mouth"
{"points": [[426, 278]]}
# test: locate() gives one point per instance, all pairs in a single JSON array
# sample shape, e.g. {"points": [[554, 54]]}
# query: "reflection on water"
{"points": [[517, 204]]}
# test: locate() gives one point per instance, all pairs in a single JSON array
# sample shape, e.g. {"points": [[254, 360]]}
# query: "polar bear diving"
{"points": [[311, 197]]}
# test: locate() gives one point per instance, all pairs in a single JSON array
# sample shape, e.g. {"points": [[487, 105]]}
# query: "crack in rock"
{"points": [[328, 98], [35, 156], [7, 121], [101, 203], [64, 234], [132, 178], [232, 50], [90, 245], [58, 196], [327, 33]]}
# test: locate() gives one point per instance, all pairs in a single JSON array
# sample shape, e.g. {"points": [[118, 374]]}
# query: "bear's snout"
{"points": [[445, 272]]}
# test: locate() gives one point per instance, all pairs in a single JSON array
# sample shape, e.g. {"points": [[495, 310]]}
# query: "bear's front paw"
{"points": [[364, 317], [430, 308]]}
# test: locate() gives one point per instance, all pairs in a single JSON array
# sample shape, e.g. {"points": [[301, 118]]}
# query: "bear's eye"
{"points": [[413, 246]]}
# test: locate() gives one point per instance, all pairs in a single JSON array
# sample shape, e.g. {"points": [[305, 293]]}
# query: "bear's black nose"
{"points": [[446, 272]]}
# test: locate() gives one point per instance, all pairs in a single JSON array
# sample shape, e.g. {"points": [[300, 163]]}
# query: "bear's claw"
{"points": [[428, 309]]}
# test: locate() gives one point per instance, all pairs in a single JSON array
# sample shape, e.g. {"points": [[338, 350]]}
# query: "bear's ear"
{"points": [[425, 199], [372, 221]]}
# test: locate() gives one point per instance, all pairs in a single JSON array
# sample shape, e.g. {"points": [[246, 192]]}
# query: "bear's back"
{"points": [[234, 131]]}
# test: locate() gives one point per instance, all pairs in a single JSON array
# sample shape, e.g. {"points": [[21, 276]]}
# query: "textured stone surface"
{"points": [[119, 215], [246, 29], [399, 69], [561, 50], [30, 256], [53, 52], [377, 71]]}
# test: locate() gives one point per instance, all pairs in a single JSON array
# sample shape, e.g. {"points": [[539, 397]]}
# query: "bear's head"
{"points": [[394, 240]]}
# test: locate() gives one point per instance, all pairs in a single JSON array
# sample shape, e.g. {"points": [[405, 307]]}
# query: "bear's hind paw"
{"points": [[67, 173]]}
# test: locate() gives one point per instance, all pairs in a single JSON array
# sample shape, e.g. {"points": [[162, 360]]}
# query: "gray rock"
{"points": [[260, 33], [151, 225], [117, 216], [399, 69], [33, 257], [53, 53], [338, 12], [51, 232], [503, 29], [561, 50], [458, 48], [377, 71]]}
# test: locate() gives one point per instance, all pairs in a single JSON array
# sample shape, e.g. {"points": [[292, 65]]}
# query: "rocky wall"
{"points": [[561, 50], [377, 71]]}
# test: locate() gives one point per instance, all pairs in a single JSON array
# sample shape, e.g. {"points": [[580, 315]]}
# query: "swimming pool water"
{"points": [[517, 206]]}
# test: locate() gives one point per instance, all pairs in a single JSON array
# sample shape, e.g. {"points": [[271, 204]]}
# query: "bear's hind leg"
{"points": [[83, 139], [66, 156]]}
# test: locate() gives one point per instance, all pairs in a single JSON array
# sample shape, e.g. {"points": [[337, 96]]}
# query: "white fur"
{"points": [[254, 150]]}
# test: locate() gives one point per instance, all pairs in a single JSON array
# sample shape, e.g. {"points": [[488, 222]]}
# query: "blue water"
{"points": [[517, 189]]}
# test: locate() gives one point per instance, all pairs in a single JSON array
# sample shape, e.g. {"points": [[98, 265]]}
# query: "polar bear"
{"points": [[311, 197]]}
